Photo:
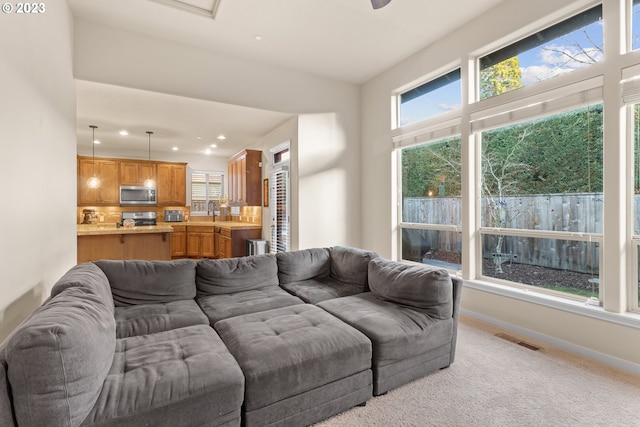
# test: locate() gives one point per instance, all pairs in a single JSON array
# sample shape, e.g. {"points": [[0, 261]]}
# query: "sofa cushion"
{"points": [[397, 331], [291, 350], [313, 291], [145, 319], [58, 359], [86, 275], [226, 276], [180, 377], [218, 307], [304, 264], [149, 282], [350, 265], [413, 285]]}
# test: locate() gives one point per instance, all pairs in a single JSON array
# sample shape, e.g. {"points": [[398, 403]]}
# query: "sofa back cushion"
{"points": [[228, 276], [428, 289], [304, 264], [150, 282], [351, 265], [58, 359]]}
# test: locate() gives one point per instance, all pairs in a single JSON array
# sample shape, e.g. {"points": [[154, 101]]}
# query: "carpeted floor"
{"points": [[496, 382]]}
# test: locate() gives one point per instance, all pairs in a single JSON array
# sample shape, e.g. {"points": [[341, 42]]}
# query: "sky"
{"points": [[559, 56]]}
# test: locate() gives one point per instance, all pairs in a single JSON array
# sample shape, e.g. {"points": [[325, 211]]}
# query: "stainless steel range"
{"points": [[140, 218]]}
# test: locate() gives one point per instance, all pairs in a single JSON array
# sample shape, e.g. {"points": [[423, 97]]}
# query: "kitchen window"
{"points": [[207, 188]]}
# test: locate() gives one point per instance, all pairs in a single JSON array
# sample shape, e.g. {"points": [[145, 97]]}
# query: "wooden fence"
{"points": [[579, 213]]}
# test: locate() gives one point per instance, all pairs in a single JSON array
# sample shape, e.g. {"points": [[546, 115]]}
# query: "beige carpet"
{"points": [[496, 382]]}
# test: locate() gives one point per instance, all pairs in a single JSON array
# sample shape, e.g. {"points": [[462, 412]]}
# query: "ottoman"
{"points": [[300, 364]]}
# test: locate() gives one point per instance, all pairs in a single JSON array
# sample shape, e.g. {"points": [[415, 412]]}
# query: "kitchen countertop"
{"points": [[98, 229], [161, 227], [222, 224]]}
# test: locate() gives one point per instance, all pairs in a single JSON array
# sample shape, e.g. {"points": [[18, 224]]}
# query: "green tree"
{"points": [[426, 168], [502, 77]]}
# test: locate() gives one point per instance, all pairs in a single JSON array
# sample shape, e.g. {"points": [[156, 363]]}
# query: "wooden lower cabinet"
{"points": [[233, 242], [179, 241], [200, 242], [147, 246]]}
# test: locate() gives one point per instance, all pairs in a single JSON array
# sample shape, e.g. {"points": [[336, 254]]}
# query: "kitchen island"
{"points": [[166, 240], [107, 241]]}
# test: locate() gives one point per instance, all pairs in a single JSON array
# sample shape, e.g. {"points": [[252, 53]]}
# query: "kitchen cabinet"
{"points": [[107, 170], [200, 242], [233, 242], [179, 241], [245, 178], [136, 172], [148, 246], [171, 184]]}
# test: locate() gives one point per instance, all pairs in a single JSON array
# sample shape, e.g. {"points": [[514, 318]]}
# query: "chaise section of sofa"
{"points": [[319, 274], [152, 296], [410, 316], [236, 286]]}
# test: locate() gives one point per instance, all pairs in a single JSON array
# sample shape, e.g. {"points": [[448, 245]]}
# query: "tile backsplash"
{"points": [[113, 214]]}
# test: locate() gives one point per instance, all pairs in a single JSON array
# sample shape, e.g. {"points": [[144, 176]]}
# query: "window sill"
{"points": [[580, 308]]}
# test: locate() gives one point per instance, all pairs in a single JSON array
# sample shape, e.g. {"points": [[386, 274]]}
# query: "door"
{"points": [[279, 210]]}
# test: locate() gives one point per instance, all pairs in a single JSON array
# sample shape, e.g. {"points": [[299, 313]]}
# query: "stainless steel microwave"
{"points": [[136, 195]]}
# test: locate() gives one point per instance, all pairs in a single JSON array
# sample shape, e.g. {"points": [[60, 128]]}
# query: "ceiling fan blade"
{"points": [[377, 4]]}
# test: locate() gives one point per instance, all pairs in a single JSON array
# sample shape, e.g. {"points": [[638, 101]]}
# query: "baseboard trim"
{"points": [[607, 359]]}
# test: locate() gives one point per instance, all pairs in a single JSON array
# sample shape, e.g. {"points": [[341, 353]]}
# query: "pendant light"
{"points": [[149, 182], [94, 181]]}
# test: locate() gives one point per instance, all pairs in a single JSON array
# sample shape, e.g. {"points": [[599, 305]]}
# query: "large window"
{"points": [[207, 187], [544, 177], [431, 203], [570, 45], [430, 99]]}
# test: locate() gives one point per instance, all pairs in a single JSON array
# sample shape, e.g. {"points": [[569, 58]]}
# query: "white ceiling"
{"points": [[345, 40]]}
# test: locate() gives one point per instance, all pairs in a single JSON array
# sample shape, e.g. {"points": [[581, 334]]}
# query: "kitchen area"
{"points": [[140, 210]]}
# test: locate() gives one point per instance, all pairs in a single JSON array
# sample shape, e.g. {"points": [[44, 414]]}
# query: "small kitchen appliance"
{"points": [[140, 218], [172, 215]]}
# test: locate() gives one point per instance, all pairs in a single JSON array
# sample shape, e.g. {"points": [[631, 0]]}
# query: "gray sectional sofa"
{"points": [[286, 339]]}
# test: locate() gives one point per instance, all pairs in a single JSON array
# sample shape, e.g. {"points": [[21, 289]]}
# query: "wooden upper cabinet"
{"points": [[136, 172], [171, 180], [171, 184], [245, 178], [108, 172]]}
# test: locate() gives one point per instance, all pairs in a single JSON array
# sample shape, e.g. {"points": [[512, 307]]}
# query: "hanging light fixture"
{"points": [[94, 181], [149, 182]]}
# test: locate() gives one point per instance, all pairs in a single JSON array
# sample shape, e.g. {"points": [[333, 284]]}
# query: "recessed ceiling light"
{"points": [[96, 142], [207, 151], [175, 148], [123, 132], [221, 137], [213, 146], [198, 137], [257, 37]]}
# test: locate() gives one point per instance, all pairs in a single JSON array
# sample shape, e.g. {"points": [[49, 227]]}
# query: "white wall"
{"points": [[110, 55], [38, 173], [607, 340]]}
